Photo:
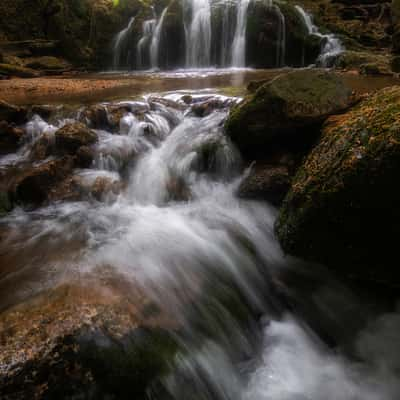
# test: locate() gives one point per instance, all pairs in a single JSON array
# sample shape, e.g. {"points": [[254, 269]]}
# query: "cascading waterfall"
{"points": [[205, 258], [155, 41], [148, 30], [198, 33], [281, 45], [239, 41], [332, 45], [120, 41]]}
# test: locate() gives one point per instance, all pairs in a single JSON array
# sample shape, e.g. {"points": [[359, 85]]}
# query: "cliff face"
{"points": [[79, 30], [82, 31]]}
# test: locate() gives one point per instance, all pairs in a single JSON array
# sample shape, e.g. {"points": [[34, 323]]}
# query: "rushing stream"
{"points": [[248, 330]]}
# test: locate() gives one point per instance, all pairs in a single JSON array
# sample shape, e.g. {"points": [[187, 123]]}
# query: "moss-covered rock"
{"points": [[342, 209], [287, 111], [71, 137], [76, 342], [16, 70]]}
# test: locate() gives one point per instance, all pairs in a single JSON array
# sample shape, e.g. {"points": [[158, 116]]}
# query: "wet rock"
{"points": [[18, 71], [84, 157], [187, 98], [103, 186], [12, 113], [10, 137], [266, 182], [72, 136], [42, 148], [82, 342], [96, 117], [342, 209], [48, 64], [207, 107], [35, 184], [287, 112], [167, 103], [44, 111]]}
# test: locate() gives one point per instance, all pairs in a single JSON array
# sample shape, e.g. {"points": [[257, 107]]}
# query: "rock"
{"points": [[207, 107], [83, 342], [266, 182], [342, 209], [44, 111], [84, 157], [72, 136], [35, 184], [12, 113], [287, 111], [48, 63], [42, 148], [10, 137], [5, 203], [103, 186], [15, 70], [365, 62], [96, 117]]}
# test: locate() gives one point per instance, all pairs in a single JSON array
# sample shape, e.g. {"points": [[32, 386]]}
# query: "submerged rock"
{"points": [[72, 136], [287, 111], [343, 207]]}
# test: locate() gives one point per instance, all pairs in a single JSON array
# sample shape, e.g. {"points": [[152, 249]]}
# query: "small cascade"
{"points": [[148, 29], [281, 40], [155, 41], [198, 33], [239, 41], [332, 45], [120, 41]]}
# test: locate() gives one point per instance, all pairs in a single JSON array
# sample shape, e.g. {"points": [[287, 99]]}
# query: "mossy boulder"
{"points": [[17, 71], [343, 207], [287, 111], [71, 137], [74, 342]]}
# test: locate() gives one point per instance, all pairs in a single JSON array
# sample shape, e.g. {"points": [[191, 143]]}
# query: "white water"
{"points": [[119, 42], [179, 232], [155, 41], [281, 47], [332, 45], [239, 40], [147, 34], [198, 33]]}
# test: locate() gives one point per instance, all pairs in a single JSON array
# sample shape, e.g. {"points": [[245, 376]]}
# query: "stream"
{"points": [[254, 324]]}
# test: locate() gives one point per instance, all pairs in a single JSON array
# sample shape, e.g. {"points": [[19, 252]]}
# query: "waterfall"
{"points": [[239, 41], [281, 35], [198, 33], [147, 33], [119, 42], [155, 41], [332, 45], [226, 35]]}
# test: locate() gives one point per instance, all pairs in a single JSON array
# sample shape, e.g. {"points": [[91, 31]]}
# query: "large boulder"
{"points": [[71, 137], [82, 342], [287, 111], [343, 207]]}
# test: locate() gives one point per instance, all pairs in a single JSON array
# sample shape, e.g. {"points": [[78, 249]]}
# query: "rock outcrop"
{"points": [[342, 209], [286, 112]]}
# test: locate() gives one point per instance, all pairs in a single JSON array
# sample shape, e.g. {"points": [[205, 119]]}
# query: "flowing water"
{"points": [[155, 41], [120, 41], [254, 324], [331, 45], [239, 41]]}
